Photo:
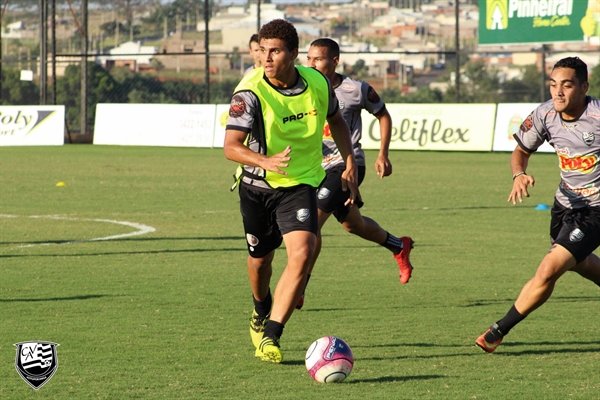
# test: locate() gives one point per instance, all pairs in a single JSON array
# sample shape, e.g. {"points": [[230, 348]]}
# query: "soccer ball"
{"points": [[329, 359]]}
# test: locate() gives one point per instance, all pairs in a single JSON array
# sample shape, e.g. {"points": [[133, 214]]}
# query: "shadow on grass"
{"points": [[558, 347], [510, 349], [394, 379], [108, 253], [553, 299], [86, 297], [132, 239]]}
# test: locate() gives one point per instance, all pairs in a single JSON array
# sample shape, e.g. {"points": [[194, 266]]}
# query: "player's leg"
{"points": [[535, 293], [259, 273], [323, 216], [298, 222], [539, 289], [262, 238], [366, 228], [589, 268], [300, 247], [329, 198], [576, 233]]}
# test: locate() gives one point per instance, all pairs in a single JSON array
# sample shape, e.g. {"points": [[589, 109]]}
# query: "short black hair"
{"points": [[333, 49], [253, 39], [581, 71], [280, 29]]}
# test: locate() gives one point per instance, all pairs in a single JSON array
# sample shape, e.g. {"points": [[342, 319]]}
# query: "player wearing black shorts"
{"points": [[353, 96], [570, 122], [274, 129]]}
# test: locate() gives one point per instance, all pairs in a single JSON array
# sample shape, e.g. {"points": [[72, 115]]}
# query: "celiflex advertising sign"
{"points": [[535, 21]]}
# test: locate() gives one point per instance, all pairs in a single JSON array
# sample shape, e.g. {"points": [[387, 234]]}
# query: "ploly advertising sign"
{"points": [[169, 125], [452, 127], [535, 21], [32, 125]]}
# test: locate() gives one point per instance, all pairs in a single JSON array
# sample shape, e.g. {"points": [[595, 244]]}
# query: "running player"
{"points": [[570, 122], [354, 96], [274, 132], [254, 50]]}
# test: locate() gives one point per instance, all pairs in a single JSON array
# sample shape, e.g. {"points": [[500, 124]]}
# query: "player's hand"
{"points": [[520, 188], [350, 182], [383, 166], [276, 162]]}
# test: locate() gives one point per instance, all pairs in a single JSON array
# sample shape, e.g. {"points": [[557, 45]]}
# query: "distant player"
{"points": [[254, 50], [354, 96], [570, 122]]}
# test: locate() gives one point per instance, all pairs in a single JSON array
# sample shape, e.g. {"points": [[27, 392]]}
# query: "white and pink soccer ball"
{"points": [[329, 359]]}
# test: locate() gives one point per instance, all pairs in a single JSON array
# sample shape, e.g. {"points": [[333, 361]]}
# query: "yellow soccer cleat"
{"points": [[257, 327], [268, 350]]}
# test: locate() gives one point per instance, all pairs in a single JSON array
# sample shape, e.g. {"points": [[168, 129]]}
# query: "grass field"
{"points": [[165, 314]]}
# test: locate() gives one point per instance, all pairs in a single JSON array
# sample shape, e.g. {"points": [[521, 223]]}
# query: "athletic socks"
{"points": [[273, 330], [392, 243], [307, 279], [502, 327], [263, 307]]}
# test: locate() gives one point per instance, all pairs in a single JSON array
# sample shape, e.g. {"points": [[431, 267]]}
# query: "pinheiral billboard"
{"points": [[537, 21]]}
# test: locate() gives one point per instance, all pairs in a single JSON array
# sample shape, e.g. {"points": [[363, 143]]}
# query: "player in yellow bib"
{"points": [[274, 131]]}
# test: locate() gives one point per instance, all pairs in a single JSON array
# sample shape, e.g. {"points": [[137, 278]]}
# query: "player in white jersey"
{"points": [[354, 96], [570, 122], [254, 50]]}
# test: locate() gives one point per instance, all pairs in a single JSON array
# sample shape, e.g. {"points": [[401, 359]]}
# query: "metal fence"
{"points": [[156, 51]]}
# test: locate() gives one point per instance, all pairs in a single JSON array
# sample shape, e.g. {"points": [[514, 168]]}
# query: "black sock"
{"points": [[502, 327], [307, 279], [273, 330], [392, 243], [263, 307]]}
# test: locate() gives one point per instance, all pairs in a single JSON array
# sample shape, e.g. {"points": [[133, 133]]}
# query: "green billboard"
{"points": [[536, 21]]}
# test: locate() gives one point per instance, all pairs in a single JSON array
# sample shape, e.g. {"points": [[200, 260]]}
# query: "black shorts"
{"points": [[576, 230], [331, 197], [268, 215]]}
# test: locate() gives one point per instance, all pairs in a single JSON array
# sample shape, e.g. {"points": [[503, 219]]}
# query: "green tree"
{"points": [[103, 88], [594, 80], [359, 69], [18, 92], [525, 89]]}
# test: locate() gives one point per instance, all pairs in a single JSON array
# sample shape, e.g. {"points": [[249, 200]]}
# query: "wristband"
{"points": [[518, 174]]}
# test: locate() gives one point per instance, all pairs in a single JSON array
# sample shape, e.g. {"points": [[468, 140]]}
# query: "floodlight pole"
{"points": [[84, 69], [543, 83], [257, 16], [43, 51], [457, 46], [207, 55], [53, 41]]}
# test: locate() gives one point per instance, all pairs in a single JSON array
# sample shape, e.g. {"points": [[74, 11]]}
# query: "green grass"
{"points": [[165, 314]]}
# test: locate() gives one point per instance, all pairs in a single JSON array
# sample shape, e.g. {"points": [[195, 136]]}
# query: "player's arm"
{"points": [[383, 166], [341, 135], [235, 150], [518, 164]]}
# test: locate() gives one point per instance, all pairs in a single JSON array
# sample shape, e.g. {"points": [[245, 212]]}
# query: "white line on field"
{"points": [[141, 229]]}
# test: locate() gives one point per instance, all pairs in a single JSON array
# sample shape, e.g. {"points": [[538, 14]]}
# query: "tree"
{"points": [[359, 69], [18, 92], [103, 88], [594, 80], [525, 89]]}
